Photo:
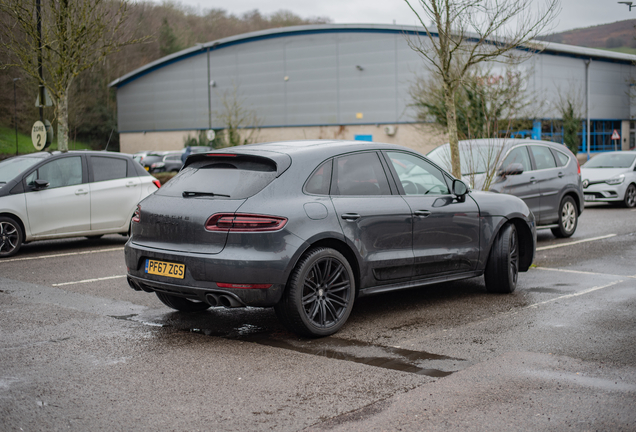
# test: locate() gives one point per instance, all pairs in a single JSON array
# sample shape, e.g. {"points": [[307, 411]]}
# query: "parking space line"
{"points": [[89, 280], [575, 242], [587, 291], [62, 255], [583, 272]]}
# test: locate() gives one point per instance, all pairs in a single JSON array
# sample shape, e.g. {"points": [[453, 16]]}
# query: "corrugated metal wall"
{"points": [[330, 78]]}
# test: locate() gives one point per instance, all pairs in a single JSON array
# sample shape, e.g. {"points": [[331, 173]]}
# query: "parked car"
{"points": [[139, 156], [50, 195], [546, 175], [610, 177], [152, 158], [171, 162], [306, 227]]}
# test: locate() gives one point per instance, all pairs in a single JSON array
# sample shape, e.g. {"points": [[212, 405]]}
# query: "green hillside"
{"points": [[7, 143]]}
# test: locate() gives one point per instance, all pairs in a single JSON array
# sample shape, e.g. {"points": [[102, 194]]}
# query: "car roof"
{"points": [[49, 154], [312, 148]]}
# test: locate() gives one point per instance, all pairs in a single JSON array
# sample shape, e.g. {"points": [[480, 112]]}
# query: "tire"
{"points": [[11, 237], [568, 218], [630, 196], [182, 304], [502, 268], [319, 295]]}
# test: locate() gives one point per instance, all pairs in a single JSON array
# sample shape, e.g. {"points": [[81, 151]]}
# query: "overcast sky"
{"points": [[574, 13]]}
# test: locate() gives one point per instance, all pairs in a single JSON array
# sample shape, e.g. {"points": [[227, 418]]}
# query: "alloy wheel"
{"points": [[568, 216], [326, 292], [9, 238]]}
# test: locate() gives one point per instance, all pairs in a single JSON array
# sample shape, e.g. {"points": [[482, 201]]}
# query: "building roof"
{"points": [[544, 47]]}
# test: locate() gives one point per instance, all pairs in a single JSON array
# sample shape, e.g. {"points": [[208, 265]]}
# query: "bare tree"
{"points": [[464, 33], [241, 124], [571, 106], [75, 35]]}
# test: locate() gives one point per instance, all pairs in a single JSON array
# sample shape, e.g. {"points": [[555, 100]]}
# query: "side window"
{"points": [[360, 174], [108, 168], [320, 181], [518, 155], [561, 158], [60, 172], [418, 176], [542, 157]]}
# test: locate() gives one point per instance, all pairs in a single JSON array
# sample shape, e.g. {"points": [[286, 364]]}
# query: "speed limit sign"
{"points": [[38, 135]]}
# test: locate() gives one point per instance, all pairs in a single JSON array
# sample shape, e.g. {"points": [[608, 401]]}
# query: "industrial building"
{"points": [[349, 82]]}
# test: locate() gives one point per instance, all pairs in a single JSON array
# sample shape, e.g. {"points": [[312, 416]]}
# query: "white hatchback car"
{"points": [[610, 177], [51, 195]]}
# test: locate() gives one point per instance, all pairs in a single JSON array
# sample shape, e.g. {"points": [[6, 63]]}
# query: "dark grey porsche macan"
{"points": [[307, 227]]}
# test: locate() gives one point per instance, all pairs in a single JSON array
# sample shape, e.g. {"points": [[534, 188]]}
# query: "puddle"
{"points": [[393, 358], [546, 290], [399, 359]]}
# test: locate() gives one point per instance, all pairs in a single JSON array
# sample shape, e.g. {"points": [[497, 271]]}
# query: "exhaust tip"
{"points": [[133, 284], [229, 302], [212, 299]]}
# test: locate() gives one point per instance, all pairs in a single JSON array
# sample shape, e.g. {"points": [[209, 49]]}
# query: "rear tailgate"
{"points": [[178, 224]]}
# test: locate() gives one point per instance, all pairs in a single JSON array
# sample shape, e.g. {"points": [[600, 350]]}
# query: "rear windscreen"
{"points": [[223, 177]]}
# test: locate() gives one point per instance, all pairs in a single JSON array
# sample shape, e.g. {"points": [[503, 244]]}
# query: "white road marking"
{"points": [[575, 242], [582, 272], [587, 291], [62, 255], [89, 280]]}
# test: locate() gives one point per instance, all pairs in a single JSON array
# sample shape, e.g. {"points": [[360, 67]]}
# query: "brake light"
{"points": [[244, 222], [221, 154], [137, 216], [243, 286], [157, 183]]}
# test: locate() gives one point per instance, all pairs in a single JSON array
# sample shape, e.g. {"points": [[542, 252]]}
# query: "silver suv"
{"points": [[546, 175]]}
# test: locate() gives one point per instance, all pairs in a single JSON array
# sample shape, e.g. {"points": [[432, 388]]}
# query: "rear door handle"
{"points": [[131, 184], [533, 180], [560, 174], [81, 192], [422, 213], [350, 216]]}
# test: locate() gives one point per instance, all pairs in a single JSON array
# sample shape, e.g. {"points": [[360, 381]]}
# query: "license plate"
{"points": [[163, 268], [590, 198]]}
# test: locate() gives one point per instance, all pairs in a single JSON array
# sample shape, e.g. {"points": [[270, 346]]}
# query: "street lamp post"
{"points": [[15, 116]]}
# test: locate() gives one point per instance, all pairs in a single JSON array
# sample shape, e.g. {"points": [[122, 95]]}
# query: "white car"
{"points": [[610, 177], [51, 195]]}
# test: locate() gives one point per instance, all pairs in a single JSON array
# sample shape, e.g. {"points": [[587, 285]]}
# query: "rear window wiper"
{"points": [[187, 194]]}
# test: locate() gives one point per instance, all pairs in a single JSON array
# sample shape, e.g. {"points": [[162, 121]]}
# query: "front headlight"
{"points": [[616, 180]]}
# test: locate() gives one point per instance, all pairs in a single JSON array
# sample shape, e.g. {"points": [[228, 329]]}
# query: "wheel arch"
{"points": [[577, 200], [340, 246], [526, 243]]}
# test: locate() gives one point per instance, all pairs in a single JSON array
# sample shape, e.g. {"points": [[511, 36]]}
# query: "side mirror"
{"points": [[512, 169], [459, 188], [40, 184]]}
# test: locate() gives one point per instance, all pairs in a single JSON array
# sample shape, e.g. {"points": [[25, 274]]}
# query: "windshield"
{"points": [[611, 160], [10, 168], [475, 158]]}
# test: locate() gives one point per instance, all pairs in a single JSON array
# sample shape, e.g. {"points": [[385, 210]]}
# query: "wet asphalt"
{"points": [[80, 350]]}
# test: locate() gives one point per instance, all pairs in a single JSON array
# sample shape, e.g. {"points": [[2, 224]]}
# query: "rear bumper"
{"points": [[235, 265], [212, 294]]}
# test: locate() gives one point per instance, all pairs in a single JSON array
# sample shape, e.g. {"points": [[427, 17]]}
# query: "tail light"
{"points": [[244, 222], [578, 165], [157, 183], [137, 216]]}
